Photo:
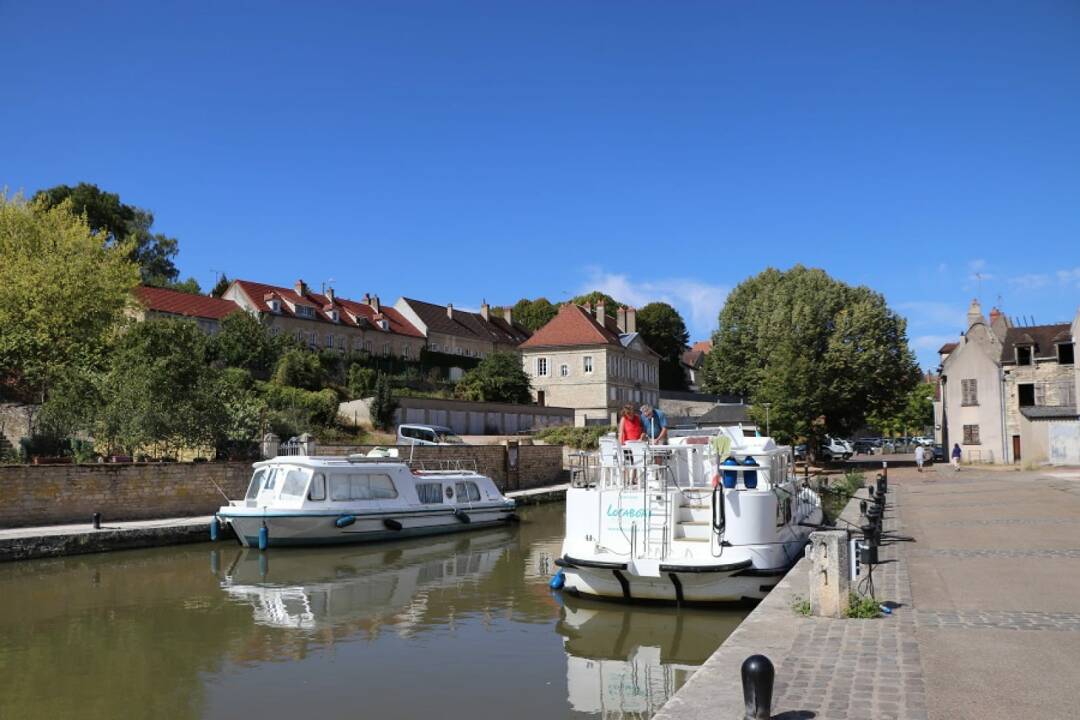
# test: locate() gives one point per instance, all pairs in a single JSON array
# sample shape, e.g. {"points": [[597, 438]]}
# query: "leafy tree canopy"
{"points": [[498, 378], [124, 225], [663, 330], [245, 342], [383, 404], [299, 368], [824, 354], [611, 305], [533, 314], [62, 293], [912, 416]]}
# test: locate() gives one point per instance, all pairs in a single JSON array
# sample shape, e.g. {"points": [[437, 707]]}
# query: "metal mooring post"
{"points": [[97, 521], [757, 686]]}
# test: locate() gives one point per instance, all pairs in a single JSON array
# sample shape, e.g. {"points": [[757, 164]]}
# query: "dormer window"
{"points": [[1065, 353], [384, 324], [274, 305], [333, 315], [1023, 354]]}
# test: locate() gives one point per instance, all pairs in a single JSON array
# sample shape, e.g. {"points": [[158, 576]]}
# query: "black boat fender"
{"points": [[392, 524]]}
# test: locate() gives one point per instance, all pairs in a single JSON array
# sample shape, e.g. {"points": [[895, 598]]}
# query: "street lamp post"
{"points": [[767, 406]]}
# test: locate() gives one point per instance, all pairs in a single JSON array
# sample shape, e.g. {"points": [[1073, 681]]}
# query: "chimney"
{"points": [[631, 320], [485, 311], [508, 316], [301, 288], [999, 324], [375, 304], [975, 313], [330, 295], [620, 319], [366, 299], [450, 310], [600, 312]]}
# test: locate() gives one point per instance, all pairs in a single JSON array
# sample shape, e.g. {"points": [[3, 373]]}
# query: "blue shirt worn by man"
{"points": [[654, 425]]}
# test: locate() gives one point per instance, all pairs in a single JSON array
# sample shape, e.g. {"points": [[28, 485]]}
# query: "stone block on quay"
{"points": [[830, 580]]}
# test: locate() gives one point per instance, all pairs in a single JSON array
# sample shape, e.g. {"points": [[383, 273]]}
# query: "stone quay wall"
{"points": [[33, 495]]}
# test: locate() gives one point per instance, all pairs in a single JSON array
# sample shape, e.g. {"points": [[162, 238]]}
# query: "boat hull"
{"points": [[307, 530]]}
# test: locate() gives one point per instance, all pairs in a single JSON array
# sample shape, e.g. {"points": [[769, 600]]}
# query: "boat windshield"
{"points": [[256, 483]]}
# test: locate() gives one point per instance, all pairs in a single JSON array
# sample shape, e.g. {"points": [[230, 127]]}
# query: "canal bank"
{"points": [[59, 540], [984, 570]]}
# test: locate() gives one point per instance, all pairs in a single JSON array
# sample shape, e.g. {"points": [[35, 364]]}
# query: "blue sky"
{"points": [[465, 151]]}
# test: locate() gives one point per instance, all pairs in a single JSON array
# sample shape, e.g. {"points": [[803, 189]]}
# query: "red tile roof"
{"points": [[182, 303], [365, 314], [701, 346], [573, 326]]}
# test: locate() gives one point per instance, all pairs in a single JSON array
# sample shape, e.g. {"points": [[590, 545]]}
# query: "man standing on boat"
{"points": [[655, 424]]}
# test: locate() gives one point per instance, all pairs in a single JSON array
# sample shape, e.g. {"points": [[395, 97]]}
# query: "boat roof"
{"points": [[380, 463]]}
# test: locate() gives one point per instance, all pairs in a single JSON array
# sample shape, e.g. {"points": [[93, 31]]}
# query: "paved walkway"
{"points": [[987, 625]]}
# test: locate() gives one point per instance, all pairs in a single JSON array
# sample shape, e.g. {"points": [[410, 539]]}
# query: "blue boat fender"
{"points": [[345, 521], [557, 581], [264, 537], [215, 528]]}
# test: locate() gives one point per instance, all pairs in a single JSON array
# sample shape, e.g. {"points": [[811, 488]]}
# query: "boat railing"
{"points": [[685, 466], [428, 466]]}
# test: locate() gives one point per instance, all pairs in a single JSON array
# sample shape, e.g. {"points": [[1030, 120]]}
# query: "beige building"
{"points": [[207, 312], [1008, 394], [326, 321], [584, 360], [460, 332]]}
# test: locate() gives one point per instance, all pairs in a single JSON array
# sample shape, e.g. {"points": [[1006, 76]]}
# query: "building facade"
{"points": [[585, 360], [1008, 394], [460, 332], [326, 321]]}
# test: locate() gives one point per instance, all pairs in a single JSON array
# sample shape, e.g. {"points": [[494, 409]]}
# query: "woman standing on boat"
{"points": [[630, 427]]}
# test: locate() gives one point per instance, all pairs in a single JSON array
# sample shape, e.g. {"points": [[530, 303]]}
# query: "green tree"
{"points": [[824, 354], [913, 415], [611, 305], [533, 314], [62, 294], [245, 342], [118, 225], [220, 286], [190, 286], [73, 405], [663, 330], [498, 378], [383, 404], [299, 368], [244, 408], [160, 391], [361, 381], [293, 410]]}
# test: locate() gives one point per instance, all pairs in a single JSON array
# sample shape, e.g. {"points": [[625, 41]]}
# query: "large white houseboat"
{"points": [[705, 519], [299, 500]]}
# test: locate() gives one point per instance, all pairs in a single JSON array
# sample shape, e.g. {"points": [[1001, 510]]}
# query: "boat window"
{"points": [[295, 483], [271, 478], [318, 487], [429, 493], [339, 487], [468, 492], [256, 484]]}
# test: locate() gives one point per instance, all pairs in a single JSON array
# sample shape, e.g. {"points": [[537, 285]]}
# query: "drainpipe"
{"points": [[1004, 427]]}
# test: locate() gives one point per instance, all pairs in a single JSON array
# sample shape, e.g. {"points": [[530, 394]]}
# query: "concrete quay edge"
{"points": [[771, 628]]}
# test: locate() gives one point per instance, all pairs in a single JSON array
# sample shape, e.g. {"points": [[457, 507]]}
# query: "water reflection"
{"points": [[626, 661], [401, 630]]}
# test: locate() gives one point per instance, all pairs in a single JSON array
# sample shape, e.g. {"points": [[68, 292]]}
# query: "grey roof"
{"points": [[1049, 412], [1042, 338]]}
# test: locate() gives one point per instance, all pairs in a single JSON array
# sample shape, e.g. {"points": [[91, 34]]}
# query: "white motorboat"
{"points": [[300, 500], [705, 519]]}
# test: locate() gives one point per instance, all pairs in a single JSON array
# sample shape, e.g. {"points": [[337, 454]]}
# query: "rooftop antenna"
{"points": [[328, 281]]}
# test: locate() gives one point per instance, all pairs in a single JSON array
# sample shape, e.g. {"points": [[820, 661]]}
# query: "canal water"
{"points": [[460, 626]]}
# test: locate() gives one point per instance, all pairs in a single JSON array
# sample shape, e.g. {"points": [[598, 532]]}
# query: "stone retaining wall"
{"points": [[58, 494]]}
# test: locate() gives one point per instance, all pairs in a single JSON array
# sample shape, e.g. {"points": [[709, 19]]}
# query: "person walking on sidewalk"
{"points": [[956, 456], [920, 456]]}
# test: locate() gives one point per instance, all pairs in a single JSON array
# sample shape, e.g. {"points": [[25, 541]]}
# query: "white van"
{"points": [[427, 435]]}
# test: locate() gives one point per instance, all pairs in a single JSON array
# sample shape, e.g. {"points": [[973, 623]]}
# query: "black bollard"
{"points": [[97, 521], [757, 687], [862, 507]]}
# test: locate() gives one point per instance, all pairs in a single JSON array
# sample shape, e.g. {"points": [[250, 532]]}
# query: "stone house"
{"points": [[1008, 393], [324, 320], [206, 312], [585, 360], [460, 332]]}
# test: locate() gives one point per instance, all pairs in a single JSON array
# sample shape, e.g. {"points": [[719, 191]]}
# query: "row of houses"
{"points": [[582, 359], [1007, 393]]}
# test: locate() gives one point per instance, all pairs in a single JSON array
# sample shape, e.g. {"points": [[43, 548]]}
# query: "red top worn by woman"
{"points": [[630, 429]]}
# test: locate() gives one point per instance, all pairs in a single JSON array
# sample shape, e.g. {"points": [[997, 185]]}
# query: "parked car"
{"points": [[835, 449], [427, 435], [800, 452], [923, 440], [866, 446], [939, 454]]}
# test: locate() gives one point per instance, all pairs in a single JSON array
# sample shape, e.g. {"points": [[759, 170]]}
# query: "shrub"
{"points": [[862, 607], [580, 438]]}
